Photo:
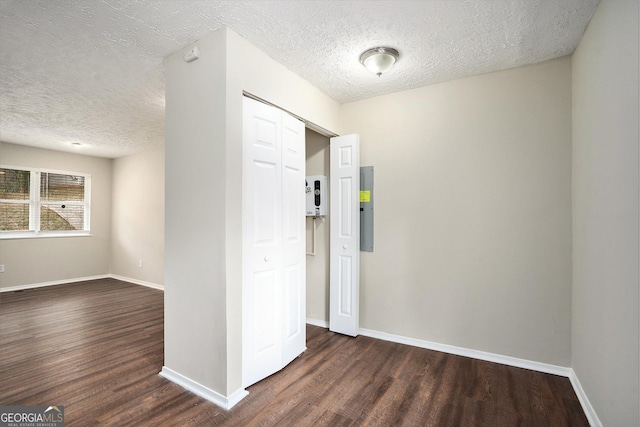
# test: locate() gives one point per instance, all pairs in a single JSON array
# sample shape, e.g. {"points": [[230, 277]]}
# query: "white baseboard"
{"points": [[53, 283], [82, 279], [316, 322], [467, 352], [590, 413], [137, 282], [225, 402], [460, 351], [489, 357]]}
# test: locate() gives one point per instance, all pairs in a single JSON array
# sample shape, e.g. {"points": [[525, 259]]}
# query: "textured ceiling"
{"points": [[91, 71]]}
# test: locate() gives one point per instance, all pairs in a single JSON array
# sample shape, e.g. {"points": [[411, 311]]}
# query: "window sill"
{"points": [[10, 235]]}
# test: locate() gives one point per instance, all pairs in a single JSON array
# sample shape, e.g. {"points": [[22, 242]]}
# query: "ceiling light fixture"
{"points": [[379, 60]]}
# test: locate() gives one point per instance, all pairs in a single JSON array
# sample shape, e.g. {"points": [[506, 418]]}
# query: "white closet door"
{"points": [[293, 237], [274, 261], [262, 237], [344, 287]]}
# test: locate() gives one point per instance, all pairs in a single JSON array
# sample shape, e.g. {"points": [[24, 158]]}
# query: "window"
{"points": [[35, 202]]}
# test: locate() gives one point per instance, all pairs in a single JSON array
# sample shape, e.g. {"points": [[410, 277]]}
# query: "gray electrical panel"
{"points": [[366, 208]]}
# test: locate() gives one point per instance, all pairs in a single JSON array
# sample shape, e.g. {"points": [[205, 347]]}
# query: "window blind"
{"points": [[61, 202], [14, 199]]}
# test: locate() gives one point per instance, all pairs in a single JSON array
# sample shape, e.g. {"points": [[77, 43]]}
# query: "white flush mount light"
{"points": [[379, 59]]}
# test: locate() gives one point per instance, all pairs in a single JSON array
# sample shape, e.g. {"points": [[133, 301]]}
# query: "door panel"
{"points": [[266, 315], [274, 262], [346, 205], [262, 229], [294, 244], [292, 299], [345, 235], [291, 209], [265, 180], [345, 305]]}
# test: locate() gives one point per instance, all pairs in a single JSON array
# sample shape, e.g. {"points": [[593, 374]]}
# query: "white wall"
{"points": [[605, 212], [41, 260], [195, 276], [203, 245], [473, 212], [137, 231], [318, 265]]}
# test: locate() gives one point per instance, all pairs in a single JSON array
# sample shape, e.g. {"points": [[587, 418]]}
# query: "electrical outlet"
{"points": [[139, 263], [1, 268]]}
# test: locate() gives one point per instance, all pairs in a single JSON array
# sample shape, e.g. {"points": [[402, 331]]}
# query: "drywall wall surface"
{"points": [[137, 231], [195, 284], [318, 264], [605, 213], [42, 260], [203, 197], [473, 212], [256, 73], [250, 70]]}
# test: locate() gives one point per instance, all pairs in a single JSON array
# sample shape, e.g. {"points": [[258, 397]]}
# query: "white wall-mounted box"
{"points": [[316, 194]]}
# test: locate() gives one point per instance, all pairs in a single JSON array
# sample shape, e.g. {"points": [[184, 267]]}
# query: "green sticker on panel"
{"points": [[365, 196]]}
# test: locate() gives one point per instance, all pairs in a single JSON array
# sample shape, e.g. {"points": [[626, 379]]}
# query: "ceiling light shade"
{"points": [[379, 59]]}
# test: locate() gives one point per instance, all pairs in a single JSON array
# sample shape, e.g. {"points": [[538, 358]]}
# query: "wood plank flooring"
{"points": [[96, 348]]}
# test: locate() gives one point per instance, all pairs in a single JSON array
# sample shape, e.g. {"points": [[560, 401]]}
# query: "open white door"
{"points": [[344, 288]]}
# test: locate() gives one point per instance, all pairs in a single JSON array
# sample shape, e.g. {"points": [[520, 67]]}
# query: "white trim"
{"points": [[309, 125], [589, 411], [316, 322], [87, 202], [47, 170], [82, 279], [467, 352], [225, 402], [15, 235], [137, 282], [53, 283]]}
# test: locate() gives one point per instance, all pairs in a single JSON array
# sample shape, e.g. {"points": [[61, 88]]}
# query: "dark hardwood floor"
{"points": [[97, 347]]}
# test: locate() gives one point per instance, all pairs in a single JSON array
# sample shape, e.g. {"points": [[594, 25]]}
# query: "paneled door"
{"points": [[344, 286], [273, 290], [294, 261]]}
